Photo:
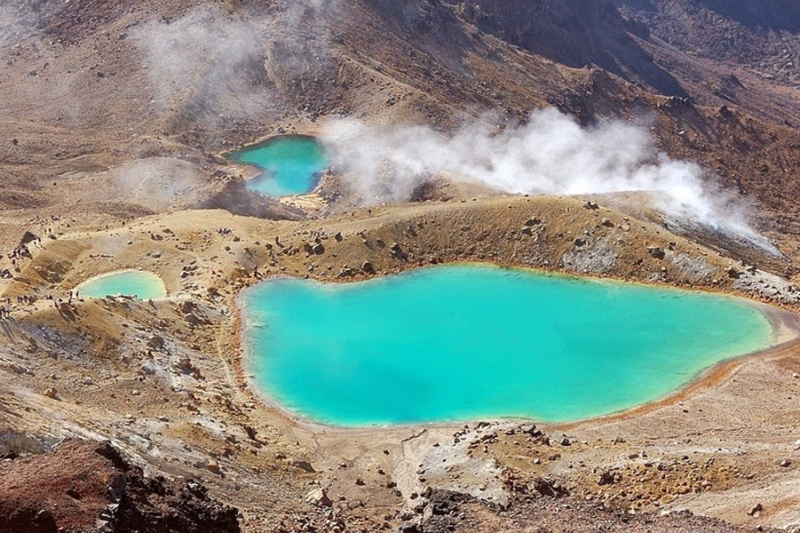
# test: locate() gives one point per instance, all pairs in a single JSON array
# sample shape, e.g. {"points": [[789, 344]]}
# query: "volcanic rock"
{"points": [[82, 486]]}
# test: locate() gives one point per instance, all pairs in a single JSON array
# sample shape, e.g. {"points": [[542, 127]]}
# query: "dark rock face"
{"points": [[762, 34], [772, 14], [156, 505], [411, 16], [86, 486], [560, 30], [235, 198], [576, 33]]}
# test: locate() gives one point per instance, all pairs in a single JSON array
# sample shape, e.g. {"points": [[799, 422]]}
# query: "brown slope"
{"points": [[761, 37], [88, 486], [93, 102], [574, 33]]}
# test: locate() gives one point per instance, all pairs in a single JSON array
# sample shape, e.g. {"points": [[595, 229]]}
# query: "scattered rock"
{"points": [[51, 392], [81, 483], [608, 478], [756, 510], [251, 432], [530, 429], [656, 251], [185, 365], [155, 342], [397, 251], [19, 369], [546, 487], [303, 465], [319, 498]]}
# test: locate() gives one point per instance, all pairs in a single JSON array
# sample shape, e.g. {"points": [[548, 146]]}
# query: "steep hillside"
{"points": [[574, 33], [173, 83], [762, 37], [117, 117]]}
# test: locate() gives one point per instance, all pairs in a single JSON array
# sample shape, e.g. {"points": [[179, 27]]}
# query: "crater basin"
{"points": [[143, 285], [290, 164], [468, 342]]}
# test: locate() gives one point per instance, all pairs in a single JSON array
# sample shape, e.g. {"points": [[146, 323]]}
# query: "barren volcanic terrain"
{"points": [[667, 153]]}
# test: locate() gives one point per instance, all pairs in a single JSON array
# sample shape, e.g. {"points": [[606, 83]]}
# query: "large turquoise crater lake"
{"points": [[290, 164], [468, 342]]}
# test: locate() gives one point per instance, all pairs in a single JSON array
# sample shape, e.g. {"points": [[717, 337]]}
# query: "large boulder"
{"points": [[85, 486]]}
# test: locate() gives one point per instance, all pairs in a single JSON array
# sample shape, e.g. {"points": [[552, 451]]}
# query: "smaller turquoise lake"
{"points": [[143, 285], [469, 342], [291, 164]]}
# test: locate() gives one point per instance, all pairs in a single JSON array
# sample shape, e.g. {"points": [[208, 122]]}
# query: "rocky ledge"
{"points": [[84, 486]]}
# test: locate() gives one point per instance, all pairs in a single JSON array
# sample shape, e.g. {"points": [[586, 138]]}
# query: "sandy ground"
{"points": [[87, 145], [164, 379]]}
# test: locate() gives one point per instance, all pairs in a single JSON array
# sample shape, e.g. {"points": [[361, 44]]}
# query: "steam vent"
{"points": [[412, 266]]}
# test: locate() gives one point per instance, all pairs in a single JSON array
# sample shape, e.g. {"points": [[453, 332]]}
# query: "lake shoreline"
{"points": [[784, 327], [152, 277]]}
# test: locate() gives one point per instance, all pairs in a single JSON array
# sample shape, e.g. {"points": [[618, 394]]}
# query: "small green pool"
{"points": [[291, 165], [469, 342], [143, 285]]}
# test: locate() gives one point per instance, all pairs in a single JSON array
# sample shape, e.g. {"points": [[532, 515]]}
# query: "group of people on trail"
{"points": [[5, 310], [20, 252], [25, 300], [16, 255]]}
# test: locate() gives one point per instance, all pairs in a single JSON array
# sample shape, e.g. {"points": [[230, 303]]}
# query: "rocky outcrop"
{"points": [[89, 486], [576, 33], [764, 35], [235, 198], [776, 15]]}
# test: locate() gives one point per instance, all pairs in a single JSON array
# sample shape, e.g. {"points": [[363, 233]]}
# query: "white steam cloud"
{"points": [[158, 183], [215, 67], [551, 154], [12, 24], [207, 63]]}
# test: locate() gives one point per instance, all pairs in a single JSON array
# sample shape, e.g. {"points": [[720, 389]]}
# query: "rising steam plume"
{"points": [[217, 67], [550, 154]]}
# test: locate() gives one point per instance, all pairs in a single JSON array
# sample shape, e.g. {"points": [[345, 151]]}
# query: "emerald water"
{"points": [[470, 342], [144, 285], [291, 165]]}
